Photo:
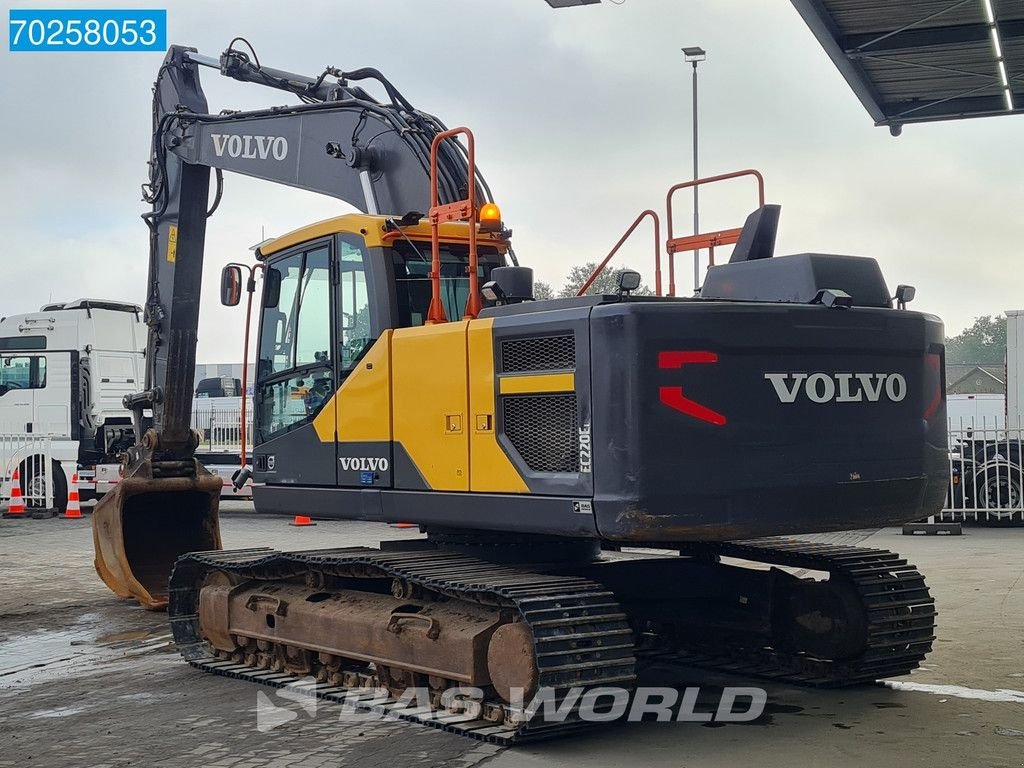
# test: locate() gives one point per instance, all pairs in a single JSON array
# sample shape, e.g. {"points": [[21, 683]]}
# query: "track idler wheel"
{"points": [[824, 619], [511, 661]]}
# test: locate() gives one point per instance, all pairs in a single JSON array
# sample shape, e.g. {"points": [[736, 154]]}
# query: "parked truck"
{"points": [[64, 371]]}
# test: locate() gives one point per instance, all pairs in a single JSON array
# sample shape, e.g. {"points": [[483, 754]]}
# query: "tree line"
{"points": [[606, 283], [983, 342]]}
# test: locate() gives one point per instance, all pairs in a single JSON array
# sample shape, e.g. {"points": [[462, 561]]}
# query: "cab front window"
{"points": [[412, 279]]}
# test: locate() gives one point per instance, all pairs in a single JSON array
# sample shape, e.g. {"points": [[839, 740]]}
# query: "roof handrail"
{"points": [[699, 240], [657, 252], [460, 210]]}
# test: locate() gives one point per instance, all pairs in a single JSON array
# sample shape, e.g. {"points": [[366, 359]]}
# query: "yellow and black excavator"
{"points": [[405, 373]]}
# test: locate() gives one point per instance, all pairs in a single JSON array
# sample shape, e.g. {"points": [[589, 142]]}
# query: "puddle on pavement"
{"points": [[47, 654], [119, 637], [784, 709], [38, 649], [142, 641]]}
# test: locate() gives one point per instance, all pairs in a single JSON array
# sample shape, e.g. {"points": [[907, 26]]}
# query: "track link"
{"points": [[582, 637], [900, 615]]}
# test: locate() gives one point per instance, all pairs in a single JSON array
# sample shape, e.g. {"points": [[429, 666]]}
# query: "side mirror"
{"points": [[231, 285], [271, 287]]}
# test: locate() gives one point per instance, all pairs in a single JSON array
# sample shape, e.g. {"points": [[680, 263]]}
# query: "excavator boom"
{"points": [[339, 141]]}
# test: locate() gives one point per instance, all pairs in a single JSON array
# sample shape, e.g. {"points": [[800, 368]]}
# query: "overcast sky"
{"points": [[582, 118]]}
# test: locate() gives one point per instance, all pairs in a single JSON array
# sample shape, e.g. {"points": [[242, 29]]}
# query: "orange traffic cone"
{"points": [[302, 520], [16, 508], [74, 510]]}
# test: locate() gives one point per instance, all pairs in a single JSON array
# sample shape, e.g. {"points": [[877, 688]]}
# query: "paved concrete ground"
{"points": [[89, 680]]}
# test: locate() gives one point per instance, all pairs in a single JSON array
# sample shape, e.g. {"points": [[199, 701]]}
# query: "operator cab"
{"points": [[331, 289]]}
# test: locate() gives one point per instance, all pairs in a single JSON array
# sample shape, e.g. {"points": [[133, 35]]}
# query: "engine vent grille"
{"points": [[544, 430], [542, 353]]}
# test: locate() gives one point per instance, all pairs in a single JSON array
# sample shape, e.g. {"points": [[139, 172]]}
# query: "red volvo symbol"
{"points": [[673, 397]]}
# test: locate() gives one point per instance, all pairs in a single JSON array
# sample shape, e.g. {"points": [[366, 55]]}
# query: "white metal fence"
{"points": [[221, 429], [986, 465], [986, 472], [32, 456]]}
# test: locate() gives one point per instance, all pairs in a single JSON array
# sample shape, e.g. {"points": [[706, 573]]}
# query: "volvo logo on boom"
{"points": [[838, 387], [249, 147]]}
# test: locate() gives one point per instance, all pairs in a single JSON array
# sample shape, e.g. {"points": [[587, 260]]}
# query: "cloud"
{"points": [[582, 118]]}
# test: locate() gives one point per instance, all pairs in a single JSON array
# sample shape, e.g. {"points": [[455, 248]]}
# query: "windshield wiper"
{"points": [[393, 223]]}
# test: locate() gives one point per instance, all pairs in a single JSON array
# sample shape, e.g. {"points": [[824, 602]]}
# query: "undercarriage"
{"points": [[450, 614]]}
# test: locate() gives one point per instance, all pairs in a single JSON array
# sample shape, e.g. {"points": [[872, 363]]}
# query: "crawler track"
{"points": [[900, 615], [582, 637]]}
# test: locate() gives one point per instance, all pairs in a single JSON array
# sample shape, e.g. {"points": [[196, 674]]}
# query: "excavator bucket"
{"points": [[146, 523]]}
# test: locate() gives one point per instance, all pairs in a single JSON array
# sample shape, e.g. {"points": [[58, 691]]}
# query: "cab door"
{"points": [[52, 399], [362, 419], [297, 371], [20, 376]]}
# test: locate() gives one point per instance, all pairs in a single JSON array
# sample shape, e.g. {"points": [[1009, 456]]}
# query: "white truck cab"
{"points": [[63, 373]]}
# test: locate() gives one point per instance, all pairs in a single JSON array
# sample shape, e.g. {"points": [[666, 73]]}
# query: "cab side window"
{"points": [[354, 332], [27, 372], [277, 340], [313, 327], [295, 362]]}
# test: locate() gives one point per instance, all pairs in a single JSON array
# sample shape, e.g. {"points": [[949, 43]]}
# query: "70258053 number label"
{"points": [[78, 30]]}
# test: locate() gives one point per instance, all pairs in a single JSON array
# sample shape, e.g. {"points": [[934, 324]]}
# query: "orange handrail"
{"points": [[615, 249], [708, 240], [251, 289], [461, 210]]}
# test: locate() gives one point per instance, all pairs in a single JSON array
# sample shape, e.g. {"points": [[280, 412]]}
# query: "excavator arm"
{"points": [[339, 141]]}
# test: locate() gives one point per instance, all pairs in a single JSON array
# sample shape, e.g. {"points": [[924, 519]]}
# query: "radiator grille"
{"points": [[543, 353], [544, 430]]}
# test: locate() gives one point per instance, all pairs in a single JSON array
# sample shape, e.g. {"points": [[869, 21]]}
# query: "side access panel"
{"points": [[491, 469], [430, 400]]}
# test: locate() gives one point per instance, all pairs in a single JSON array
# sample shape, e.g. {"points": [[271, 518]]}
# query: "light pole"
{"points": [[693, 55]]}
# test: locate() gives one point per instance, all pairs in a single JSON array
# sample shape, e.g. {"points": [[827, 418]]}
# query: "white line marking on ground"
{"points": [[959, 691]]}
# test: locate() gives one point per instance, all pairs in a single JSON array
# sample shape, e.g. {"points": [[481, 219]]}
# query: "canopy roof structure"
{"points": [[912, 61]]}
